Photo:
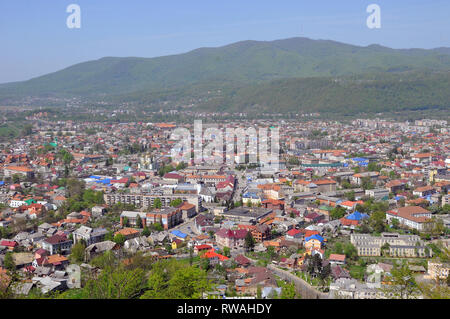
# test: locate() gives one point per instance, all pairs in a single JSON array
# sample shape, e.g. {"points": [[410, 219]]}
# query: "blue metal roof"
{"points": [[318, 237], [178, 233], [357, 216], [104, 181]]}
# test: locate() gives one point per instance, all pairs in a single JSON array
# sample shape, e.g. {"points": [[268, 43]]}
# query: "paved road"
{"points": [[305, 290]]}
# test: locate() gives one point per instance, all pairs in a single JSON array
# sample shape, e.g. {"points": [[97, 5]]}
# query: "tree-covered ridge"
{"points": [[242, 62], [376, 93]]}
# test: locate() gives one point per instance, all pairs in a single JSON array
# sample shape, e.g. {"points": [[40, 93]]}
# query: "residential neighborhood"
{"points": [[350, 209]]}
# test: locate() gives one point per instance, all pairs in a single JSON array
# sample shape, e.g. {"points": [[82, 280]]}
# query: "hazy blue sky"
{"points": [[35, 40]]}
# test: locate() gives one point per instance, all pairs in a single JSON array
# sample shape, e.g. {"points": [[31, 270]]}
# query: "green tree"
{"points": [[171, 279], [350, 251], [403, 284], [109, 235], [288, 291], [157, 203], [8, 262], [385, 249], [138, 222], [106, 260], [146, 231], [350, 195], [157, 227], [77, 252], [176, 202], [249, 242], [116, 283], [395, 223], [337, 212], [271, 252], [377, 221], [119, 239], [258, 292], [227, 251]]}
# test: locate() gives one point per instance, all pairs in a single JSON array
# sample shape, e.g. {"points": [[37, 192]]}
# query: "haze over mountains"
{"points": [[264, 73]]}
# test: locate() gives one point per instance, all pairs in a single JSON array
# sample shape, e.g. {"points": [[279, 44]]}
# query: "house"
{"points": [[89, 235], [350, 205], [128, 233], [9, 244], [202, 222], [176, 243], [395, 186], [56, 261], [377, 193], [22, 260], [424, 191], [9, 171], [313, 217], [251, 197], [214, 258], [137, 244], [48, 284], [231, 238], [57, 244], [187, 210], [359, 177], [313, 242], [294, 234], [337, 259], [98, 211], [100, 248], [353, 219], [338, 272], [325, 185], [201, 248], [178, 234], [260, 232], [242, 261]]}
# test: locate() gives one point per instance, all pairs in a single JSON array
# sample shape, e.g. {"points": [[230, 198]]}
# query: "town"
{"points": [[355, 209]]}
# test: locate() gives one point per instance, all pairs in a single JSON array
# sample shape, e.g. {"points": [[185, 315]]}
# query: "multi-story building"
{"points": [[147, 200], [260, 232], [27, 172], [399, 245], [168, 217], [132, 218], [438, 270], [414, 217], [57, 244], [89, 235], [377, 193], [231, 238], [445, 200]]}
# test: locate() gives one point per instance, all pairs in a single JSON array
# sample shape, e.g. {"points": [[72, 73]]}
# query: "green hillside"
{"points": [[345, 95], [239, 63]]}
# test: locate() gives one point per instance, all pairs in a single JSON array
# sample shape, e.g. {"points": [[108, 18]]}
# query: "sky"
{"points": [[35, 39]]}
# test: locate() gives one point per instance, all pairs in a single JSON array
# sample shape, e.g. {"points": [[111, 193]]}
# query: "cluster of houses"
{"points": [[208, 208]]}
